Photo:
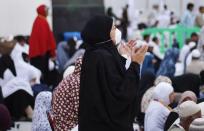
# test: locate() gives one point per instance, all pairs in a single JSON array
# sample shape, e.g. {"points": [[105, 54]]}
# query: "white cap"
{"points": [[162, 92], [196, 53], [188, 108], [197, 125], [202, 108], [192, 44]]}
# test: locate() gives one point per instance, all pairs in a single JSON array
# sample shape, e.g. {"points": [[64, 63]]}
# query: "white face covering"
{"points": [[118, 36]]}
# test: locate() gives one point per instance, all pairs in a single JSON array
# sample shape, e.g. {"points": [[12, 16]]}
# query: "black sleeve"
{"points": [[123, 85], [1, 96]]}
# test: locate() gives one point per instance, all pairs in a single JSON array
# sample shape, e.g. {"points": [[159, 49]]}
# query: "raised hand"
{"points": [[138, 54]]}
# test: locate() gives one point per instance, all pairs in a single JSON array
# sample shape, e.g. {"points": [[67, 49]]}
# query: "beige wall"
{"points": [[17, 16]]}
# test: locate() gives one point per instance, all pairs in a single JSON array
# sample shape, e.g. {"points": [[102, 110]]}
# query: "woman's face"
{"points": [[46, 11], [112, 33]]}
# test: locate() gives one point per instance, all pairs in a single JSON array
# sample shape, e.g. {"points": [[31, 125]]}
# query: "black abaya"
{"points": [[107, 92], [48, 77], [6, 63], [187, 82], [18, 102]]}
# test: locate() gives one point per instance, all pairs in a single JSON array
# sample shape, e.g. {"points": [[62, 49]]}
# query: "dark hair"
{"points": [[20, 38], [188, 41], [190, 6], [175, 44], [202, 77], [155, 39], [194, 34], [83, 46], [71, 42], [141, 26], [109, 11], [72, 46], [165, 7], [146, 36], [200, 8]]}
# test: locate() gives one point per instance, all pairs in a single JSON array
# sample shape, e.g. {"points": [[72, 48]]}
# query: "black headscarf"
{"points": [[6, 63], [99, 31], [202, 77], [186, 82], [107, 90]]}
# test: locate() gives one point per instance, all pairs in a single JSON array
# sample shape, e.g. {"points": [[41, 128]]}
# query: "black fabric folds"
{"points": [[186, 82], [97, 30], [6, 63], [108, 92]]}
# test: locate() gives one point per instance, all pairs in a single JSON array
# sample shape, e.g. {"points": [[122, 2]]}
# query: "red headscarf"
{"points": [[41, 10], [42, 39]]}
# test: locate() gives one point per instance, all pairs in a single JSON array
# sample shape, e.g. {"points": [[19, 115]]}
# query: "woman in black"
{"points": [[108, 92]]}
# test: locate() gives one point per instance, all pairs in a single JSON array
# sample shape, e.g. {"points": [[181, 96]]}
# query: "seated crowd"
{"points": [[102, 81]]}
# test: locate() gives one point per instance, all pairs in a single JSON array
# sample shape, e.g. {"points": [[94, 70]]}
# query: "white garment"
{"points": [[156, 50], [201, 44], [183, 53], [11, 84], [188, 19], [179, 69], [157, 113], [152, 17], [7, 76], [24, 70], [17, 52], [75, 128], [156, 116], [25, 48], [164, 20]]}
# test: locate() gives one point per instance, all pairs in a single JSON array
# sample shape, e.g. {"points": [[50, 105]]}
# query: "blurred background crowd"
{"points": [[39, 60]]}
